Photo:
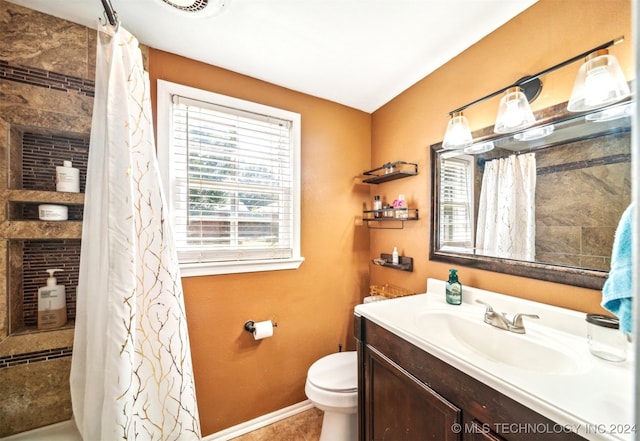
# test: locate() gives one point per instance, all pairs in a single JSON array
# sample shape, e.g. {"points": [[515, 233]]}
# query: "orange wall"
{"points": [[542, 36], [237, 378]]}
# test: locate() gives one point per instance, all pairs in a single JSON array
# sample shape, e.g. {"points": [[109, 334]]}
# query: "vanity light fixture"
{"points": [[600, 82], [458, 134], [515, 112]]}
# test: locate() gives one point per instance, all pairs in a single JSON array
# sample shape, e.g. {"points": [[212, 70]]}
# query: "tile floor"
{"points": [[304, 426]]}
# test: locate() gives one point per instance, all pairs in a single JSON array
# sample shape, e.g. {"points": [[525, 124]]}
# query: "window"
{"points": [[231, 171], [456, 203]]}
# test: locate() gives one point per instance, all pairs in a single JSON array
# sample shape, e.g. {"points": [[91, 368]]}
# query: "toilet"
{"points": [[332, 386]]}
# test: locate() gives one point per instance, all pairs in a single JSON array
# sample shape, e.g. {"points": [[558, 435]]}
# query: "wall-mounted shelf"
{"points": [[389, 218], [404, 263], [389, 172], [41, 229], [48, 197]]}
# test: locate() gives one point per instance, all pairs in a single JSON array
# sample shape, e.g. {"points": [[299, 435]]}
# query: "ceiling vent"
{"points": [[197, 8]]}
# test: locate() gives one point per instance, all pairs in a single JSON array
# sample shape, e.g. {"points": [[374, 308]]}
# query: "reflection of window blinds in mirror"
{"points": [[456, 203]]}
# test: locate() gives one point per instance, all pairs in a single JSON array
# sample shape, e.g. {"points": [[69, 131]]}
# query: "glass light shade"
{"points": [[482, 147], [535, 133], [458, 134], [610, 113], [514, 112], [600, 82]]}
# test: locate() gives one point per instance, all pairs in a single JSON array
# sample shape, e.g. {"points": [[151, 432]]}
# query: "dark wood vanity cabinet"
{"points": [[397, 403], [407, 394]]}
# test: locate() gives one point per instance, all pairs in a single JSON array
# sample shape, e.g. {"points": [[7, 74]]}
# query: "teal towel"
{"points": [[617, 294]]}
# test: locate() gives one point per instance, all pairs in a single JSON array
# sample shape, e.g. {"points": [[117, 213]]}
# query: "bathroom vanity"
{"points": [[429, 370]]}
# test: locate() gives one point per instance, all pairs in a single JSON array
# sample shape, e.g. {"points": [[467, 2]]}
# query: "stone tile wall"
{"points": [[47, 71], [582, 189], [47, 86]]}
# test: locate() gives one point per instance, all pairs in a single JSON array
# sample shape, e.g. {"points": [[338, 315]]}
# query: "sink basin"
{"points": [[463, 332]]}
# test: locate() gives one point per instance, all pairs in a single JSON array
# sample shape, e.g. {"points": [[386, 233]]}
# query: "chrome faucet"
{"points": [[500, 320]]}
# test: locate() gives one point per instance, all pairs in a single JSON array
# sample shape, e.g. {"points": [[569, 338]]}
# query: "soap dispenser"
{"points": [[52, 303], [453, 288]]}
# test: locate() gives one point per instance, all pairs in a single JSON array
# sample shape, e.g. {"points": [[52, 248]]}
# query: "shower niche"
{"points": [[28, 261], [32, 245]]}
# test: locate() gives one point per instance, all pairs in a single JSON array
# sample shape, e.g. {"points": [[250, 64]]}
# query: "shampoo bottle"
{"points": [[52, 304], [453, 288], [67, 178]]}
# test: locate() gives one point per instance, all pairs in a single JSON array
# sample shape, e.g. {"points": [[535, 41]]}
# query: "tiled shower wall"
{"points": [[47, 71], [582, 190]]}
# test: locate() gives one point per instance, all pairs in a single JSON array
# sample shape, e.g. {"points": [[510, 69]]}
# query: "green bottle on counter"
{"points": [[454, 288]]}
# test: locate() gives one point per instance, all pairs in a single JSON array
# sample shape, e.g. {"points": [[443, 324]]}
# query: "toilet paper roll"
{"points": [[263, 330]]}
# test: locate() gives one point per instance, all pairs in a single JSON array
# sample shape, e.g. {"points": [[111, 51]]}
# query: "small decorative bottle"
{"points": [[402, 211], [377, 206], [453, 289], [395, 259]]}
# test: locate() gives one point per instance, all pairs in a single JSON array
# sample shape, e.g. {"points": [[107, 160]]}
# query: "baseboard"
{"points": [[258, 423]]}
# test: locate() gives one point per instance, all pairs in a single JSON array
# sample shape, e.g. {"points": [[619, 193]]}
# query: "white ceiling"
{"points": [[360, 53]]}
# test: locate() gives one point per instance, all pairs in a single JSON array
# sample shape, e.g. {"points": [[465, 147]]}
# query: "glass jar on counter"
{"points": [[605, 339]]}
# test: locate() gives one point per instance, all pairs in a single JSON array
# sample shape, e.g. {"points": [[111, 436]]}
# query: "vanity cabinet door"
{"points": [[401, 408]]}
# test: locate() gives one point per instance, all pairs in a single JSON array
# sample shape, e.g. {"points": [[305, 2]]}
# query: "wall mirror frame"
{"points": [[569, 129]]}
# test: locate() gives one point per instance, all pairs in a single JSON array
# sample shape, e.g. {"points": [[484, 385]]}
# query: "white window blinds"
{"points": [[456, 203], [232, 190]]}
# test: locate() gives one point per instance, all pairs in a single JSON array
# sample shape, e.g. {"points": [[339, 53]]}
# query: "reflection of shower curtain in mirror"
{"points": [[131, 372], [506, 212]]}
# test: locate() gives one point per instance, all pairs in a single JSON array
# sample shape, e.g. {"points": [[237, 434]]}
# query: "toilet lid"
{"points": [[335, 372]]}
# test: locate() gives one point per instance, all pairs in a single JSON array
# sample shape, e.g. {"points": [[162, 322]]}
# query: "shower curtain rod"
{"points": [[112, 15]]}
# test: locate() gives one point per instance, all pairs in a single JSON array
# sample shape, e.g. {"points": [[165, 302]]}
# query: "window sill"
{"points": [[218, 268]]}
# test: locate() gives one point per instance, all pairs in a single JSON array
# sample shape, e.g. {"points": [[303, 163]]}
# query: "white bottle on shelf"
{"points": [[394, 256], [67, 178], [52, 303]]}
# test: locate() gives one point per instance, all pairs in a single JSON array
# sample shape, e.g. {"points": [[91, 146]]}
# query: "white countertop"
{"points": [[594, 398]]}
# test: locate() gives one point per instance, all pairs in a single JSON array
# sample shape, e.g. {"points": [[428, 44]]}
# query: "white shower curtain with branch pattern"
{"points": [[131, 371], [507, 210]]}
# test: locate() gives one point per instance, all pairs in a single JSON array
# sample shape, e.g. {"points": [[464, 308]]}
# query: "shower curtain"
{"points": [[506, 212], [131, 371]]}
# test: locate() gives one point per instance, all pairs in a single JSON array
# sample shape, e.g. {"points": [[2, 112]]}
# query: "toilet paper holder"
{"points": [[250, 326]]}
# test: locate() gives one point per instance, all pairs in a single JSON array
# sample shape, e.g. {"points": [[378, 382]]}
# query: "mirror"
{"points": [[542, 203]]}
